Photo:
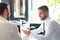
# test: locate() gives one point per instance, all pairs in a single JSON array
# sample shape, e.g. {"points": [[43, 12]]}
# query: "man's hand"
{"points": [[27, 32]]}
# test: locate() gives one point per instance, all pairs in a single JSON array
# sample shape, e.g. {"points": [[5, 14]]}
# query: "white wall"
{"points": [[0, 0]]}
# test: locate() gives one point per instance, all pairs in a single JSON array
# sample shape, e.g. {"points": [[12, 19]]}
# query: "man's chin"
{"points": [[41, 18]]}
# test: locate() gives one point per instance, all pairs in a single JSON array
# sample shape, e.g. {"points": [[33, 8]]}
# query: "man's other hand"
{"points": [[27, 32]]}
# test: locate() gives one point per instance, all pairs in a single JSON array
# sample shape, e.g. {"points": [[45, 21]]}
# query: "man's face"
{"points": [[42, 14], [8, 14]]}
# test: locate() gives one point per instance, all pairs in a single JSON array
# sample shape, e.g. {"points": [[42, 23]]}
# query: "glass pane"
{"points": [[19, 8]]}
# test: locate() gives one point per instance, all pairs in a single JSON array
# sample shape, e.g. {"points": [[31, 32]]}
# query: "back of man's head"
{"points": [[3, 6]]}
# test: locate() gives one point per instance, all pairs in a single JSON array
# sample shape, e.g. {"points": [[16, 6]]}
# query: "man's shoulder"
{"points": [[8, 23], [53, 22], [11, 23]]}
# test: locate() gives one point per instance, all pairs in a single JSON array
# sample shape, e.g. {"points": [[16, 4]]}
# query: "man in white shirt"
{"points": [[48, 30], [8, 30]]}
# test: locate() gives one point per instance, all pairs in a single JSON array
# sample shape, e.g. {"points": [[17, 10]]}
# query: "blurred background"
{"points": [[26, 10]]}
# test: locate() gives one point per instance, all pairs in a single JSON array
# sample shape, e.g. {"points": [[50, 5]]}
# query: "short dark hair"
{"points": [[45, 8], [3, 6]]}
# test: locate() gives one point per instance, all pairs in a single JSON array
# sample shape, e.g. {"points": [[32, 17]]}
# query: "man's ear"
{"points": [[5, 12]]}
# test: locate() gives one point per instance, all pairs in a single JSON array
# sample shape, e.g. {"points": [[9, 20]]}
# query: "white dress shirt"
{"points": [[51, 31], [8, 30]]}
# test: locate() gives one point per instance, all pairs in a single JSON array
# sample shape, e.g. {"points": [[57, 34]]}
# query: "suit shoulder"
{"points": [[52, 21], [11, 24]]}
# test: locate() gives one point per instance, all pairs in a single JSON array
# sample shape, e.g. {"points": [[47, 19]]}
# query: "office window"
{"points": [[19, 9], [54, 6]]}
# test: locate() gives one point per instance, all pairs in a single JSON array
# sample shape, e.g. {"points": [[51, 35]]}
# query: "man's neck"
{"points": [[3, 16]]}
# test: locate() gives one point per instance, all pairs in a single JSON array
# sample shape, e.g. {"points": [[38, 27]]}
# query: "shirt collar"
{"points": [[46, 20], [2, 18]]}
